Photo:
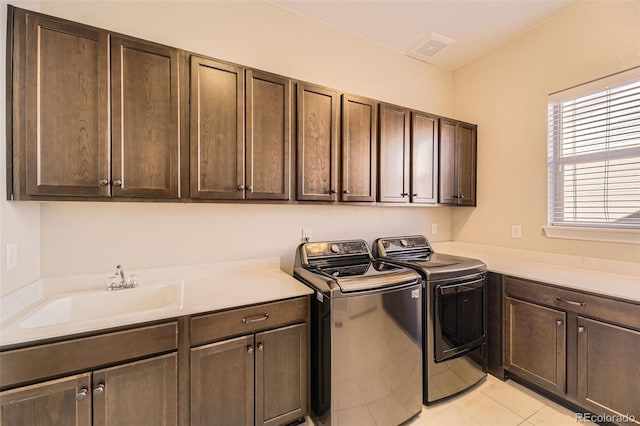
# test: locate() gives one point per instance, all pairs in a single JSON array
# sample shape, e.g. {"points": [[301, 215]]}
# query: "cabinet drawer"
{"points": [[617, 311], [211, 327], [54, 359]]}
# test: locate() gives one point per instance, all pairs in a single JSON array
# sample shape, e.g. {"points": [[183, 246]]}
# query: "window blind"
{"points": [[594, 153]]}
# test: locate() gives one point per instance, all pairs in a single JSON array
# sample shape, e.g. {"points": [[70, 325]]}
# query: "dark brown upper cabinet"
{"points": [[61, 108], [458, 147], [424, 158], [358, 182], [217, 143], [317, 116], [145, 137], [394, 150], [225, 165], [60, 138], [268, 137]]}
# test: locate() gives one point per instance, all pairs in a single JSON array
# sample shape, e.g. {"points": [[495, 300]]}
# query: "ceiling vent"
{"points": [[429, 46]]}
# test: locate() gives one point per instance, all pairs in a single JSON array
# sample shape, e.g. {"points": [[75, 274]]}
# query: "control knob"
{"points": [[404, 243], [335, 248]]}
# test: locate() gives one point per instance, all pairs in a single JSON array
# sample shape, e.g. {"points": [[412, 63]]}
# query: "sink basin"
{"points": [[99, 305]]}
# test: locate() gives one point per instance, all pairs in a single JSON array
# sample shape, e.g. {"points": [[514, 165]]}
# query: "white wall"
{"points": [[505, 92], [19, 222], [74, 238]]}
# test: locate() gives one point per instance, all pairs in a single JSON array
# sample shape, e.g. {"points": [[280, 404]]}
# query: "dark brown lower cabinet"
{"points": [[605, 382], [63, 402], [582, 347], [142, 393], [535, 343], [266, 370]]}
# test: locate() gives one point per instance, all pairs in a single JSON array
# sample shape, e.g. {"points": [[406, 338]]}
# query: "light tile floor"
{"points": [[492, 403], [496, 403]]}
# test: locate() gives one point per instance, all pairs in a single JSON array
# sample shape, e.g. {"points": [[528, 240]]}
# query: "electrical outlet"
{"points": [[12, 255], [516, 231], [306, 235], [434, 228]]}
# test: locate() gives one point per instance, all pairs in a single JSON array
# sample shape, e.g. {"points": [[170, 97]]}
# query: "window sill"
{"points": [[624, 236]]}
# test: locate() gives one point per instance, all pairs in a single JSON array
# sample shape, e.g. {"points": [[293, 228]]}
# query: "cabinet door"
{"points": [[217, 147], [448, 188], [535, 343], [139, 393], [67, 109], [606, 356], [316, 145], [145, 137], [466, 146], [268, 136], [424, 158], [63, 402], [222, 383], [393, 170], [358, 149], [281, 375]]}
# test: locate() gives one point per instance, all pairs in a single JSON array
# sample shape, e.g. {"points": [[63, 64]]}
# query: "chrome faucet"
{"points": [[118, 281]]}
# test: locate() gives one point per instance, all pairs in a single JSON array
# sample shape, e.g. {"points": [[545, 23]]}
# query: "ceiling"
{"points": [[477, 26]]}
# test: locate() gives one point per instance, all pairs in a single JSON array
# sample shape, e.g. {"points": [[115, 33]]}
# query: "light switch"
{"points": [[434, 228], [516, 231]]}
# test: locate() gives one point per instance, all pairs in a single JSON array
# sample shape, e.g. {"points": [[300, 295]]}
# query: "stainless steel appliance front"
{"points": [[370, 349]]}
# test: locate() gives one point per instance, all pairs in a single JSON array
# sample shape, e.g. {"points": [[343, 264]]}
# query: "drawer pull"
{"points": [[99, 390], [258, 318], [82, 394], [571, 302], [581, 329]]}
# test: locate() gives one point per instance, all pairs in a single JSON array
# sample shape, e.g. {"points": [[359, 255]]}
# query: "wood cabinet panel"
{"points": [[49, 403], [606, 356], [217, 140], [448, 188], [316, 145], [222, 383], [358, 149], [281, 375], [617, 311], [142, 393], [536, 344], [466, 164], [458, 147], [67, 109], [54, 359], [218, 325], [268, 112], [393, 170], [424, 158], [145, 137]]}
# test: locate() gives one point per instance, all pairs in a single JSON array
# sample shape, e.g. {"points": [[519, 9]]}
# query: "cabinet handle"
{"points": [[117, 182], [414, 195], [250, 188], [332, 191], [581, 329], [82, 394], [240, 187], [98, 390], [458, 196], [260, 347], [103, 182], [258, 318], [571, 302], [249, 349], [558, 322], [404, 194], [346, 191]]}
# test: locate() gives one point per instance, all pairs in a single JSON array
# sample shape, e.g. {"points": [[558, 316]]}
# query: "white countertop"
{"points": [[606, 277], [199, 288]]}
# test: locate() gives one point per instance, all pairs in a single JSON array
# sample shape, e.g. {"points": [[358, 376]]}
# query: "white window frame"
{"points": [[607, 232]]}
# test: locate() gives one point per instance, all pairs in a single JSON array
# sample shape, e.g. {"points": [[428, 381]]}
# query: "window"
{"points": [[594, 154]]}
